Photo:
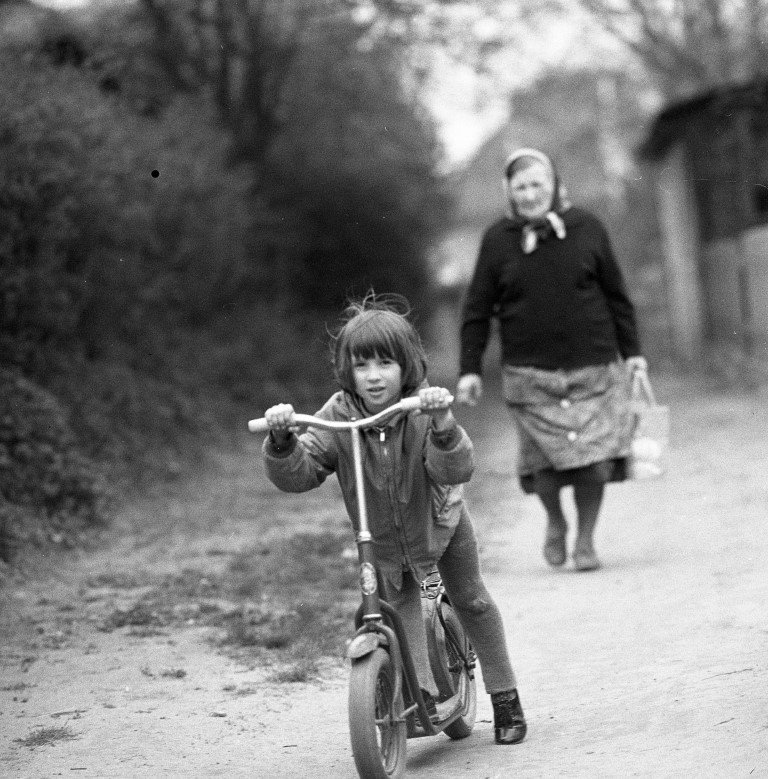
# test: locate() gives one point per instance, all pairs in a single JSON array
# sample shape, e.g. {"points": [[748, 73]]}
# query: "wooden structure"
{"points": [[709, 157]]}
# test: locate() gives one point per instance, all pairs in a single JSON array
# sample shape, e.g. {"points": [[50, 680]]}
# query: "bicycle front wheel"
{"points": [[378, 736]]}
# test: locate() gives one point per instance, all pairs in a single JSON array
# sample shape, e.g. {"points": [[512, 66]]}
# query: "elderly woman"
{"points": [[569, 341]]}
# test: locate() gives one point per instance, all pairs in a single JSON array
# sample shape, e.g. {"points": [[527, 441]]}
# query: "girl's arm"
{"points": [[448, 450], [297, 463]]}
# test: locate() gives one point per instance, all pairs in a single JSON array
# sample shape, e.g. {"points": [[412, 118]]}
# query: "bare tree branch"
{"points": [[695, 43]]}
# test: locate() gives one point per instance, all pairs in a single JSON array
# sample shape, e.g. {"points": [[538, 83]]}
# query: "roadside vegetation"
{"points": [[170, 266], [47, 736], [286, 605]]}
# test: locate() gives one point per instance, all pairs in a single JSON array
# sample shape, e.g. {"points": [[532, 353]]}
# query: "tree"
{"points": [[356, 161], [690, 45], [243, 51], [321, 112]]}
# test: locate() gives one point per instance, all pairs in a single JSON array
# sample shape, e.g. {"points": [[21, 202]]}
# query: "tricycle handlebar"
{"points": [[304, 420]]}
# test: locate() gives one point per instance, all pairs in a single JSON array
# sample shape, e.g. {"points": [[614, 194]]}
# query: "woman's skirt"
{"points": [[575, 426]]}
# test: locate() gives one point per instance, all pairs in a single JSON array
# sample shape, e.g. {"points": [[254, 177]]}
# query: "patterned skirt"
{"points": [[575, 426]]}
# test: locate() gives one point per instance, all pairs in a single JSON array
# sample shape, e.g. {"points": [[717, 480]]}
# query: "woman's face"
{"points": [[378, 381], [531, 191]]}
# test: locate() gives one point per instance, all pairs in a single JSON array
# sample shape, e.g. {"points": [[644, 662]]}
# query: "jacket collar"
{"points": [[355, 410]]}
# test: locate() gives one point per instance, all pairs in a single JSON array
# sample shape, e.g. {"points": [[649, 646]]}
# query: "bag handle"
{"points": [[641, 385]]}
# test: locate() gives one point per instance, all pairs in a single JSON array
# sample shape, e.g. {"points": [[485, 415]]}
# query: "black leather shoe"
{"points": [[509, 724]]}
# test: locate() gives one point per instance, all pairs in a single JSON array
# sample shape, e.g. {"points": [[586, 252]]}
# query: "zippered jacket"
{"points": [[413, 480]]}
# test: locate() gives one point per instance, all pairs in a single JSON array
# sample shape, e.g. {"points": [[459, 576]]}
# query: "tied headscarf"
{"points": [[534, 230]]}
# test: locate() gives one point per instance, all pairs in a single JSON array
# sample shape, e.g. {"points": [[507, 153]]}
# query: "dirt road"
{"points": [[656, 665]]}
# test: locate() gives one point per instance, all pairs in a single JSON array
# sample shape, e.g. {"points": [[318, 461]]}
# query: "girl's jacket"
{"points": [[413, 479]]}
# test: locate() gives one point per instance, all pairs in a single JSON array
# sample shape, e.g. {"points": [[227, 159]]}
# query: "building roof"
{"points": [[678, 118]]}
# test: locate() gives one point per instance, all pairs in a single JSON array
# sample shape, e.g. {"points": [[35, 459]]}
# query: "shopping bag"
{"points": [[649, 449]]}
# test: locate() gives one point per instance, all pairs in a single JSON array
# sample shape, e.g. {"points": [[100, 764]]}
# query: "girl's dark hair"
{"points": [[378, 325]]}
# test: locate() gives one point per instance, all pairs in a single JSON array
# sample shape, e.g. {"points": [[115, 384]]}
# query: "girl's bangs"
{"points": [[379, 333], [373, 339]]}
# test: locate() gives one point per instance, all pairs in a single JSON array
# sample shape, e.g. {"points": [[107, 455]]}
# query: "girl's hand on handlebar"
{"points": [[281, 421], [436, 401]]}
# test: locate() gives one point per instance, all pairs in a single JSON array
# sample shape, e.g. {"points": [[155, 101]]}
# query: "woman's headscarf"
{"points": [[552, 222]]}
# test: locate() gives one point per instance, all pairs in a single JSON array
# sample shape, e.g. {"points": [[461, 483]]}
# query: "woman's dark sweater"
{"points": [[564, 305]]}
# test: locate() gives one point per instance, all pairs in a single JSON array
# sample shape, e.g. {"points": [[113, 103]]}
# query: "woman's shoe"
{"points": [[554, 546], [585, 559], [509, 724]]}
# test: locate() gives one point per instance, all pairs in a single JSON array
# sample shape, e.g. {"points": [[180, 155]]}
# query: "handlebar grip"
{"points": [[405, 404], [258, 425], [410, 404], [414, 402]]}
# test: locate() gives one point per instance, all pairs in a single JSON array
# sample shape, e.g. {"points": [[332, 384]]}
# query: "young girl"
{"points": [[414, 468]]}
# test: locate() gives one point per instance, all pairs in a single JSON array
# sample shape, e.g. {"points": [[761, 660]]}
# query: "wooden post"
{"points": [[682, 249], [742, 204]]}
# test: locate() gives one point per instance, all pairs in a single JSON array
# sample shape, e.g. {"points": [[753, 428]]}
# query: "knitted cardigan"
{"points": [[563, 306]]}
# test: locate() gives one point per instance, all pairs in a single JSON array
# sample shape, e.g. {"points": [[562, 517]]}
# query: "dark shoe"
{"points": [[508, 719], [430, 703], [585, 559], [554, 546]]}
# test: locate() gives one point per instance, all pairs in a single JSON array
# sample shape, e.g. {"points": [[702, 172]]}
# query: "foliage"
{"points": [[289, 567], [242, 50], [689, 46], [107, 271], [332, 136], [49, 490], [43, 736], [371, 214], [153, 280]]}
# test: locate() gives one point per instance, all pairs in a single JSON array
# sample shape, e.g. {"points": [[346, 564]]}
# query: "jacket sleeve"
{"points": [[304, 463], [449, 457], [622, 310], [479, 308]]}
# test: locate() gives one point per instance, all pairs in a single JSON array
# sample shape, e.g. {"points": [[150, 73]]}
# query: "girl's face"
{"points": [[531, 191], [378, 381]]}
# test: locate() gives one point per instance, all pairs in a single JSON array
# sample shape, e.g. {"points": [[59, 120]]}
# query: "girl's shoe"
{"points": [[508, 719]]}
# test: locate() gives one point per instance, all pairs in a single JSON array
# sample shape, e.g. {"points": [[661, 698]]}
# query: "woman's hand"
{"points": [[637, 364], [436, 401], [282, 423], [469, 389]]}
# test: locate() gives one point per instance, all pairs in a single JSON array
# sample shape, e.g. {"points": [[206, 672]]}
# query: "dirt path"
{"points": [[655, 666]]}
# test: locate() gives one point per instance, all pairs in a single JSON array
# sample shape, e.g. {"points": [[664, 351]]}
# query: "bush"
{"points": [[143, 314], [43, 476], [356, 162]]}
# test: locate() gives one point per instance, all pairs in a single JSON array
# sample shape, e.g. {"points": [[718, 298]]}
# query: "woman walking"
{"points": [[569, 340]]}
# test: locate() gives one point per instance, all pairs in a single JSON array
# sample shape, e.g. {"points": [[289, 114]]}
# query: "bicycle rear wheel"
{"points": [[378, 736], [448, 668]]}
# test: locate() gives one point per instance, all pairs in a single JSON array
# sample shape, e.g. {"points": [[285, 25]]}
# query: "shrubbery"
{"points": [[50, 490], [142, 315]]}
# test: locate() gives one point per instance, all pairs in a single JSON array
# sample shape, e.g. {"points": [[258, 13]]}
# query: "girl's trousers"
{"points": [[460, 571]]}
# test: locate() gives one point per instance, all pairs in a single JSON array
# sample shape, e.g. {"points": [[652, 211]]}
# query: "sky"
{"points": [[469, 109]]}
